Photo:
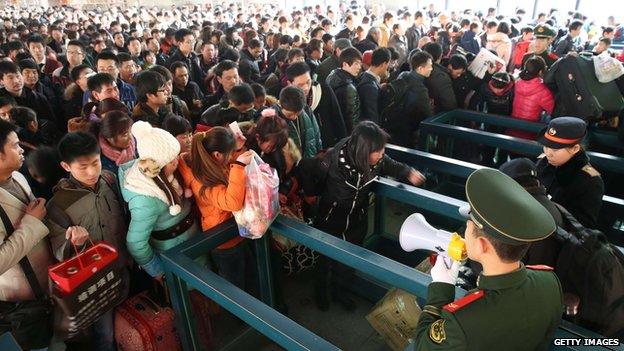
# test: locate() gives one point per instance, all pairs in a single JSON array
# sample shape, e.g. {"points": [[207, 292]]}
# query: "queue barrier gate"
{"points": [[182, 272]]}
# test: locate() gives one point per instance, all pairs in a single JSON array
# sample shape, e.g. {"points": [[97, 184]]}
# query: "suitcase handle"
{"points": [[150, 303]]}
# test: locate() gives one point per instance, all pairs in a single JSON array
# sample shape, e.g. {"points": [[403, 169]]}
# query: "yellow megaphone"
{"points": [[417, 234]]}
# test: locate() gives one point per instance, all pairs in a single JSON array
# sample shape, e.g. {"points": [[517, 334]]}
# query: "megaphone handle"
{"points": [[433, 257]]}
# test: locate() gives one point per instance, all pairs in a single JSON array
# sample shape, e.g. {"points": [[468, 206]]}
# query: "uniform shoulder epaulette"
{"points": [[464, 301], [540, 267], [591, 171]]}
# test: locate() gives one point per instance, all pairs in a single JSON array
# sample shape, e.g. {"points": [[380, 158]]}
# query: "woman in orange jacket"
{"points": [[219, 188]]}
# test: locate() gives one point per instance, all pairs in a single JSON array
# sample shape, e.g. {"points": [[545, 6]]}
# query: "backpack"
{"points": [[391, 95], [591, 268]]}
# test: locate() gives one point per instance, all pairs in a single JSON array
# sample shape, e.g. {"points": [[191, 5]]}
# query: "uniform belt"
{"points": [[175, 230]]}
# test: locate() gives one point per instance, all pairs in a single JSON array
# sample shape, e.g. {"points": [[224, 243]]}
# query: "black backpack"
{"points": [[391, 100], [591, 268]]}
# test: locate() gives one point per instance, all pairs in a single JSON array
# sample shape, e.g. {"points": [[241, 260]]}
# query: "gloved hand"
{"points": [[441, 272]]}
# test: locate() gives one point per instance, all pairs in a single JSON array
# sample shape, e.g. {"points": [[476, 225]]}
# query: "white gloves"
{"points": [[441, 272]]}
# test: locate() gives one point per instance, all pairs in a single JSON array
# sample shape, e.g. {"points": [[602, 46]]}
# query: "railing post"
{"points": [[380, 211], [178, 291], [265, 272]]}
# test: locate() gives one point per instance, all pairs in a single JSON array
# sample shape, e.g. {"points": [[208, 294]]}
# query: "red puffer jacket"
{"points": [[531, 98]]}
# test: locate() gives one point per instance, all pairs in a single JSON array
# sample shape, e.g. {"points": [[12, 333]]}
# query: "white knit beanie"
{"points": [[160, 146], [155, 143]]}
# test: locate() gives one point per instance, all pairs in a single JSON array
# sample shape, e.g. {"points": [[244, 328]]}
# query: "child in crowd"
{"points": [[181, 129], [532, 97], [44, 171], [117, 144], [29, 134]]}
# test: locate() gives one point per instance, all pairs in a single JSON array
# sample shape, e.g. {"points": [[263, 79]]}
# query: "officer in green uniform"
{"points": [[514, 307], [544, 36]]}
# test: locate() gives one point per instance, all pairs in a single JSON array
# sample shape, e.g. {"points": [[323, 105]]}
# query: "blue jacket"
{"points": [[127, 95], [149, 213], [469, 42]]}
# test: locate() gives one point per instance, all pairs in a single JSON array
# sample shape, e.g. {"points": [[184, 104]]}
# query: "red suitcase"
{"points": [[143, 325], [203, 308]]}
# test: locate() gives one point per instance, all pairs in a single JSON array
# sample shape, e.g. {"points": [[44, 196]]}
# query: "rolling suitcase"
{"points": [[203, 308], [143, 325]]}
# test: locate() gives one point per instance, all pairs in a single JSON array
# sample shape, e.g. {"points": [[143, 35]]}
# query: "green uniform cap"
{"points": [[504, 210], [544, 31]]}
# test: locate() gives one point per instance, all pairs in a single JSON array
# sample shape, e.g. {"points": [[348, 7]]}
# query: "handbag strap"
{"points": [[24, 262]]}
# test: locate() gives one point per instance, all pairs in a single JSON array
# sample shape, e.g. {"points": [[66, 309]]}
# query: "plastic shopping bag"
{"points": [[261, 199], [607, 68]]}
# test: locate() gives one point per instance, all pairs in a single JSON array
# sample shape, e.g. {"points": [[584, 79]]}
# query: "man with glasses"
{"points": [[186, 42], [153, 96], [75, 56]]}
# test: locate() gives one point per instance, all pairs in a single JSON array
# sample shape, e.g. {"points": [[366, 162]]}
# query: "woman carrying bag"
{"points": [[217, 178]]}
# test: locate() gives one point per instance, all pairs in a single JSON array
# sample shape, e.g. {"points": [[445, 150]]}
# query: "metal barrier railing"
{"points": [[594, 135], [182, 272], [612, 207], [601, 161]]}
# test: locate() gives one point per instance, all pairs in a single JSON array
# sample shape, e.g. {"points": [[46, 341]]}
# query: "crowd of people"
{"points": [[119, 125]]}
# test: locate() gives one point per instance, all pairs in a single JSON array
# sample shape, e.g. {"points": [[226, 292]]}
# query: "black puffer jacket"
{"points": [[440, 88], [414, 108], [368, 90], [576, 185], [326, 110], [343, 191], [343, 85]]}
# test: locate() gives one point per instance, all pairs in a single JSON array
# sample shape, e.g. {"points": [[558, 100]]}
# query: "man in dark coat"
{"points": [[369, 85], [332, 62], [13, 81], [439, 82], [186, 43], [415, 101], [371, 42], [570, 42], [321, 101], [415, 32], [248, 68], [342, 81]]}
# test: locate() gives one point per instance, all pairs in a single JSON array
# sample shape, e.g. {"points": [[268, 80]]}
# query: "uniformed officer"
{"points": [[544, 36], [565, 171], [514, 307]]}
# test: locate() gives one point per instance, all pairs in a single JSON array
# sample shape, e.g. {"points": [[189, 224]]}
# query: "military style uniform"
{"points": [[519, 310], [543, 31], [576, 185]]}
